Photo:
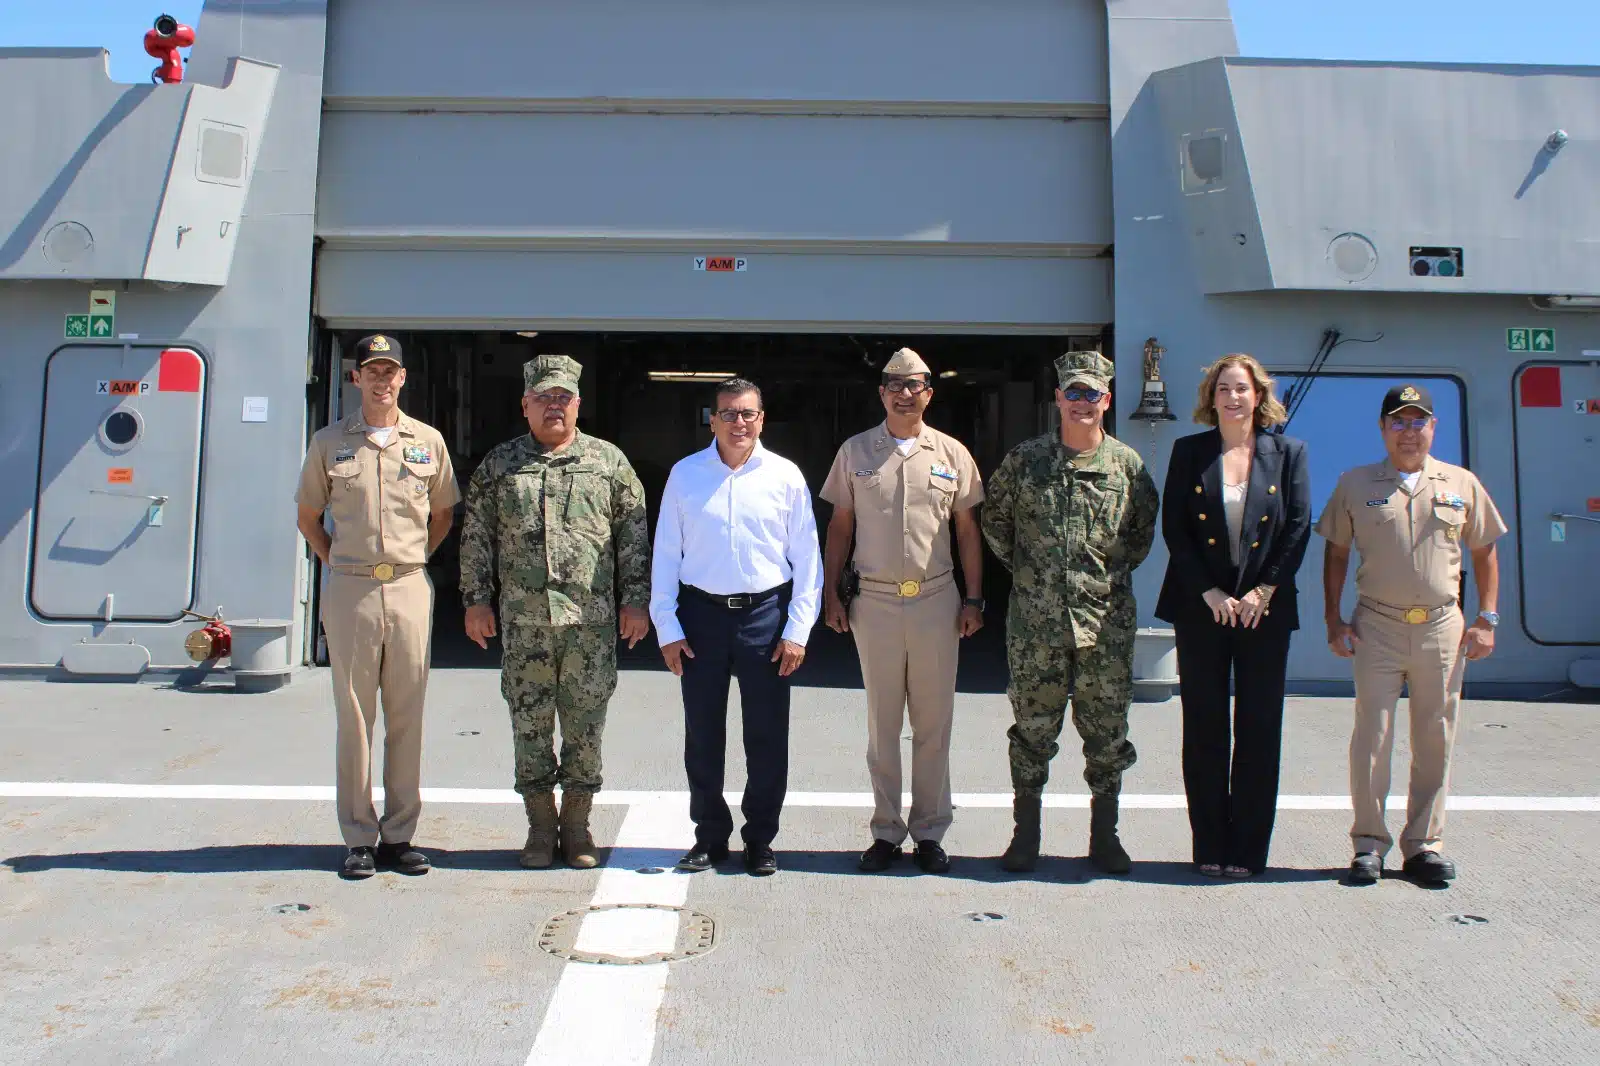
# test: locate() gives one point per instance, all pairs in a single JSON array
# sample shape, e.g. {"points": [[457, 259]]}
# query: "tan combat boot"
{"points": [[577, 846], [539, 852]]}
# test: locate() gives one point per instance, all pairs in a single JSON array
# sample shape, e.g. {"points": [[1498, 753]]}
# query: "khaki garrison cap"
{"points": [[1089, 368], [552, 372], [904, 363]]}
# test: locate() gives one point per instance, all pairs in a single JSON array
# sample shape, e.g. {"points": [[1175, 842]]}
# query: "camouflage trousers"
{"points": [[558, 672], [1098, 681]]}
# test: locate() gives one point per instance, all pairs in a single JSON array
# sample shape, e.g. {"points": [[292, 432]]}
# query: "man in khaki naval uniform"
{"points": [[897, 489], [387, 481], [1409, 518]]}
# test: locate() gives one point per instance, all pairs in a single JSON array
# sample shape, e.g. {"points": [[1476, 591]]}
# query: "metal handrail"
{"points": [[1578, 517]]}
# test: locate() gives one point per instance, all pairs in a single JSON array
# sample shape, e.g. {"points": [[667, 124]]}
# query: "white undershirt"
{"points": [[1410, 480], [905, 445], [380, 434]]}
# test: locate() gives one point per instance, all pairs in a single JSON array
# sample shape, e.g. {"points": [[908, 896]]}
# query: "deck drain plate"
{"points": [[697, 935]]}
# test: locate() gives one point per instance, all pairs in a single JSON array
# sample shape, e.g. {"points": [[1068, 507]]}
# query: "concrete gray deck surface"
{"points": [[144, 930]]}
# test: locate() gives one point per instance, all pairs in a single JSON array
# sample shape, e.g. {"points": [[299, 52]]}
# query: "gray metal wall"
{"points": [[1163, 265], [254, 332], [878, 165]]}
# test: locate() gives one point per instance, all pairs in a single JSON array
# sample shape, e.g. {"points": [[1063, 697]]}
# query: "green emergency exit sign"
{"points": [[1530, 339], [76, 328]]}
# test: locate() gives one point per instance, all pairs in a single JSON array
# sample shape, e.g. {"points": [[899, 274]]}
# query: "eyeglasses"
{"points": [[553, 399], [1076, 395], [911, 386], [1398, 424], [746, 415]]}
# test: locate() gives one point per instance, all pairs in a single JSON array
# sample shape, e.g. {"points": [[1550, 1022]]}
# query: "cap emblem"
{"points": [[1410, 394], [380, 343]]}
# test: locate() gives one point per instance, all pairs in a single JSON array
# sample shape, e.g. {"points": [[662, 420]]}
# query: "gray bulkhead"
{"points": [[1328, 175], [192, 204], [932, 168]]}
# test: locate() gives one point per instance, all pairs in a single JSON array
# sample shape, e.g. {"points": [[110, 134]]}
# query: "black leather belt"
{"points": [[739, 601]]}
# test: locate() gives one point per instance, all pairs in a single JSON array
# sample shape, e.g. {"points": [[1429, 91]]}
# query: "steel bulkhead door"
{"points": [[117, 505]]}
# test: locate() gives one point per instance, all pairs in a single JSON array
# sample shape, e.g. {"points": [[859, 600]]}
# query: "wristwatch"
{"points": [[1492, 617], [976, 601]]}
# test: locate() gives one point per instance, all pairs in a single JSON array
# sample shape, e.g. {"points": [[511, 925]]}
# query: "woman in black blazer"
{"points": [[1236, 516]]}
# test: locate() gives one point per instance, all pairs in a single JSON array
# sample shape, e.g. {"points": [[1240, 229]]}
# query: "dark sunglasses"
{"points": [[1075, 395], [913, 386], [1399, 424]]}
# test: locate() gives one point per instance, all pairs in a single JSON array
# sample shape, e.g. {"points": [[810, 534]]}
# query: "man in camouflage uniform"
{"points": [[557, 519], [1072, 515]]}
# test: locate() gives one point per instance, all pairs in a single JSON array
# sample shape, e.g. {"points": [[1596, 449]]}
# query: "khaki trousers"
{"points": [[908, 649], [378, 641], [1427, 660]]}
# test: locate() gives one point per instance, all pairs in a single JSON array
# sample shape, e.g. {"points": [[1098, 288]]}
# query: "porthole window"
{"points": [[121, 429]]}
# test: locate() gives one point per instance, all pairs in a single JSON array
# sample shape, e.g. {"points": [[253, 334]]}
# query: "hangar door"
{"points": [[1558, 501], [119, 483], [768, 166]]}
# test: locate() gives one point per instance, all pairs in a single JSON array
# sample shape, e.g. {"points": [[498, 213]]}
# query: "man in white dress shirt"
{"points": [[734, 591]]}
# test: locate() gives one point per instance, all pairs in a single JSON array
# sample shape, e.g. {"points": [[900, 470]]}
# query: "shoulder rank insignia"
{"points": [[416, 453]]}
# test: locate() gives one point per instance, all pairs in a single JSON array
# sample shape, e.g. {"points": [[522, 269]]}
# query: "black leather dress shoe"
{"points": [[879, 857], [760, 861], [701, 858], [358, 864], [930, 857], [402, 858], [1429, 868], [1366, 868]]}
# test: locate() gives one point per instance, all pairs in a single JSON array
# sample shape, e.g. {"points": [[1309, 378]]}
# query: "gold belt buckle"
{"points": [[910, 588], [383, 572], [1417, 615]]}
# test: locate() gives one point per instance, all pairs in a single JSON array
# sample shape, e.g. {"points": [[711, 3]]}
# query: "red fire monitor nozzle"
{"points": [[163, 43]]}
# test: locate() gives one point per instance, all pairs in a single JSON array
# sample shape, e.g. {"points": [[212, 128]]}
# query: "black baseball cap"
{"points": [[1403, 396], [376, 347]]}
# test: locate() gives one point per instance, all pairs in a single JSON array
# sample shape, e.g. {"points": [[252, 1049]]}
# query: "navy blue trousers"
{"points": [[728, 644], [1230, 761]]}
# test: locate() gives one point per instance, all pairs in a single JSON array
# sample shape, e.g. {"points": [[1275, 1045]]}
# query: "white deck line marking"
{"points": [[852, 800], [610, 1014]]}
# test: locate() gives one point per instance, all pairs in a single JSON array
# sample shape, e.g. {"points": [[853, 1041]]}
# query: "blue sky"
{"points": [[1465, 31]]}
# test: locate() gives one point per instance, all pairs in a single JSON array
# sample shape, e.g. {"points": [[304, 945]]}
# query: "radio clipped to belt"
{"points": [[849, 584]]}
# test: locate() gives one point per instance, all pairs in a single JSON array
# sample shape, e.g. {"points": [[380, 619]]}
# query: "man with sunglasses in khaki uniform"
{"points": [[387, 482], [897, 490], [1409, 517]]}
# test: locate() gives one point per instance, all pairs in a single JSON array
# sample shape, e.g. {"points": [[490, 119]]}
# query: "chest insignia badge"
{"points": [[1378, 503], [865, 473], [1451, 500], [416, 453], [940, 470], [344, 457], [1452, 532]]}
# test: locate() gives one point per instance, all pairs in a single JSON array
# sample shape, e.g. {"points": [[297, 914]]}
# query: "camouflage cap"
{"points": [[552, 372], [1088, 368], [906, 362]]}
